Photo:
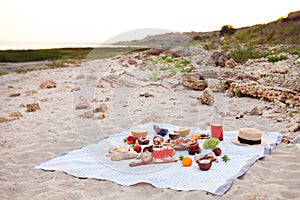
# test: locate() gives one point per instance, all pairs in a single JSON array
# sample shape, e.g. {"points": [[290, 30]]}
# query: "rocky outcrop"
{"points": [[194, 81], [251, 88], [219, 58]]}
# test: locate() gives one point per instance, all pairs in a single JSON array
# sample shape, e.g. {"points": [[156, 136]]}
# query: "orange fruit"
{"points": [[195, 137], [187, 161]]}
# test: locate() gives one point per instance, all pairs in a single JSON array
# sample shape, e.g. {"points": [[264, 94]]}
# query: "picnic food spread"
{"points": [[128, 163], [161, 148]]}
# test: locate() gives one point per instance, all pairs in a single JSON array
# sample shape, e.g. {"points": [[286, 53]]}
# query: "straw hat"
{"points": [[249, 136]]}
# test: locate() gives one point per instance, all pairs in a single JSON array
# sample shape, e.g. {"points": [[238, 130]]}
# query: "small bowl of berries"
{"points": [[194, 149]]}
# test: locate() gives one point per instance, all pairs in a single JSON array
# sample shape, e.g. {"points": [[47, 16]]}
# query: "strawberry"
{"points": [[137, 148]]}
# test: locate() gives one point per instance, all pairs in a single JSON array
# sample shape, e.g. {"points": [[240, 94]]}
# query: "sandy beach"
{"points": [[124, 90]]}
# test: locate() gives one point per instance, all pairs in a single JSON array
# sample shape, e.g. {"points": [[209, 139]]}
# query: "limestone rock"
{"points": [[154, 52], [256, 111], [75, 89], [48, 84], [44, 99], [208, 73], [16, 94], [230, 63], [219, 58], [181, 51], [3, 119], [215, 85], [146, 94], [251, 88], [100, 115], [296, 140], [132, 62], [270, 114], [101, 108], [82, 105], [207, 97], [280, 107], [88, 114], [294, 125], [32, 107], [100, 85], [193, 80], [16, 114], [30, 92]]}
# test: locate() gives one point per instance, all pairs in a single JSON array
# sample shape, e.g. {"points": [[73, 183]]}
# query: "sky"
{"points": [[100, 20]]}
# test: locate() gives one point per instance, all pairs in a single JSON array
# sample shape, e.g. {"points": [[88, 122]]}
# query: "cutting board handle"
{"points": [[138, 163]]}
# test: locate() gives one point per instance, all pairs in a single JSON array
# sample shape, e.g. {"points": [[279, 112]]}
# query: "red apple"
{"points": [[137, 148], [130, 139], [217, 151]]}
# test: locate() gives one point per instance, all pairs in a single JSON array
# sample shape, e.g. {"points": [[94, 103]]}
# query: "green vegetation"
{"points": [[278, 32], [238, 93], [227, 30], [24, 70], [43, 54], [64, 53], [197, 37], [259, 41], [3, 73], [242, 54], [170, 64], [276, 58], [295, 111], [61, 57]]}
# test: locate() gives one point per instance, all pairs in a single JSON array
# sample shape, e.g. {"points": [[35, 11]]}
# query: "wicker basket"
{"points": [[139, 134], [183, 131]]}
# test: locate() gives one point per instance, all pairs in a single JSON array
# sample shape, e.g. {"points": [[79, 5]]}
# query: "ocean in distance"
{"points": [[48, 45]]}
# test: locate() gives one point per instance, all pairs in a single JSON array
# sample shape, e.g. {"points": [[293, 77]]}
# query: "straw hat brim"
{"points": [[235, 141]]}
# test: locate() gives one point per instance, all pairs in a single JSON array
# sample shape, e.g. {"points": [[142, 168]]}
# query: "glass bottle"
{"points": [[216, 125]]}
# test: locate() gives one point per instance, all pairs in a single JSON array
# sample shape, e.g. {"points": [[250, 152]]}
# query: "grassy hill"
{"points": [[282, 31], [262, 40]]}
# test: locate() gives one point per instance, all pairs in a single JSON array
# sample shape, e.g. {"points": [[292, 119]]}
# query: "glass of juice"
{"points": [[168, 151], [217, 131], [158, 153]]}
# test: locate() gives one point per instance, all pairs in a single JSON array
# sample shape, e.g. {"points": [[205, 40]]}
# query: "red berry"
{"points": [[137, 148], [217, 151]]}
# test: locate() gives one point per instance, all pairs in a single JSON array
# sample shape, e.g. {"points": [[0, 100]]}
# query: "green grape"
{"points": [[211, 143]]}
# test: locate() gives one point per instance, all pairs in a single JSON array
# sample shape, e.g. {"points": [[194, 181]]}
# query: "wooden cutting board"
{"points": [[138, 163]]}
